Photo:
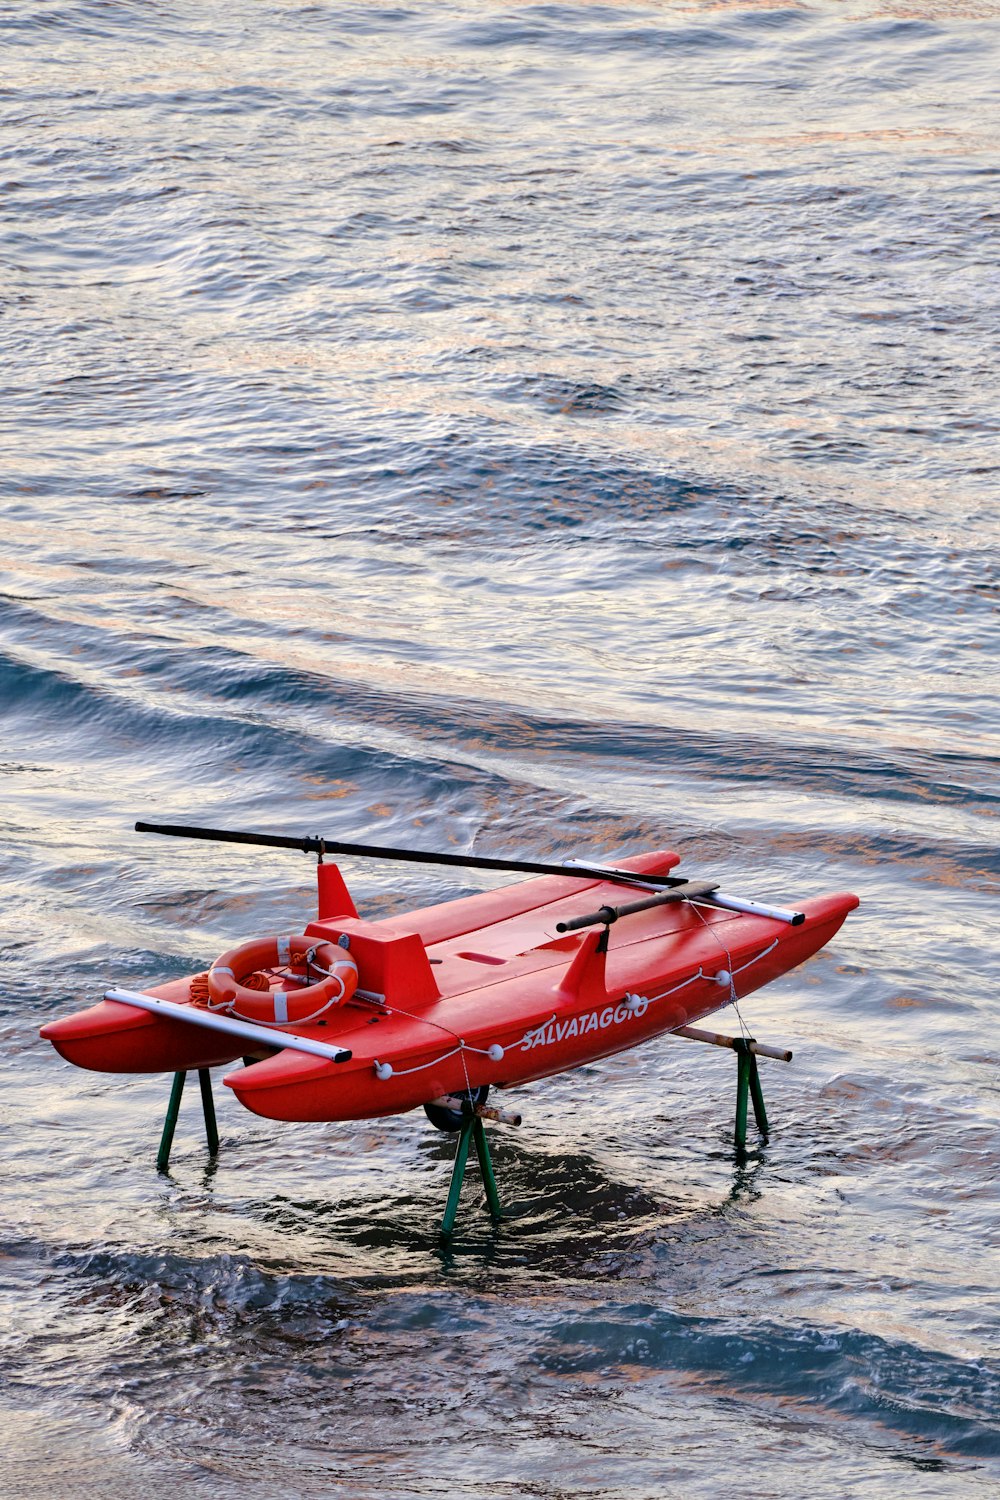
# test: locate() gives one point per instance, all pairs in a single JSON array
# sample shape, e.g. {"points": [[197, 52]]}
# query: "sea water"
{"points": [[547, 430]]}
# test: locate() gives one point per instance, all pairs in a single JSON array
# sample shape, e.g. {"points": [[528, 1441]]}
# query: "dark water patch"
{"points": [[202, 1308], [128, 712], [191, 1295], [931, 1396], [138, 23], [560, 28], [570, 398]]}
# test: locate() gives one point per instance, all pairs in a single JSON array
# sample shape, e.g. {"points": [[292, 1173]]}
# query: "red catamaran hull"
{"points": [[482, 990]]}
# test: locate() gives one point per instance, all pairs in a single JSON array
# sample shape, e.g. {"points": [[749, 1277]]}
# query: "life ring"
{"points": [[227, 992]]}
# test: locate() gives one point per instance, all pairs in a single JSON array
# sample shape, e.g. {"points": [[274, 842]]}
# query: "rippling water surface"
{"points": [[525, 428]]}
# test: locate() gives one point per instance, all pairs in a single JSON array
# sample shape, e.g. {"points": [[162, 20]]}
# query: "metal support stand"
{"points": [[208, 1110], [747, 1086], [472, 1131], [173, 1110]]}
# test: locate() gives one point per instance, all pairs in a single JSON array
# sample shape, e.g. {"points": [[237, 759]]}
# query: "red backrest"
{"points": [[391, 961]]}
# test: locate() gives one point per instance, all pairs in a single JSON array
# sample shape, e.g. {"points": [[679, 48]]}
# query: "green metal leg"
{"points": [[170, 1123], [486, 1167], [472, 1132], [747, 1088], [458, 1173], [757, 1095], [173, 1110], [742, 1089], [208, 1108]]}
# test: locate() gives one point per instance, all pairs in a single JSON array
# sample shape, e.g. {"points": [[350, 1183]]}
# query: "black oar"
{"points": [[314, 844]]}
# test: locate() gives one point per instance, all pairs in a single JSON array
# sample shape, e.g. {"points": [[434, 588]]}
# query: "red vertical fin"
{"points": [[334, 899], [584, 979]]}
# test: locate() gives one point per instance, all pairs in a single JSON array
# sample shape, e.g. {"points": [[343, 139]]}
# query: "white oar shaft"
{"points": [[730, 903], [756, 908], [246, 1030]]}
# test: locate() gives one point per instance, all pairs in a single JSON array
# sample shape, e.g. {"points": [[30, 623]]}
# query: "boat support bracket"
{"points": [[472, 1133], [173, 1110]]}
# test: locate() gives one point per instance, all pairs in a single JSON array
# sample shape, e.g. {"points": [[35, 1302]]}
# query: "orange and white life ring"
{"points": [[281, 1007]]}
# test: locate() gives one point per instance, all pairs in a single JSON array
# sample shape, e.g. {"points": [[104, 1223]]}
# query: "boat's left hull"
{"points": [[113, 1038]]}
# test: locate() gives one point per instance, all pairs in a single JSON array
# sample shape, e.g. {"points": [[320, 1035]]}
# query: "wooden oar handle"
{"points": [[483, 1111], [717, 1039], [689, 890]]}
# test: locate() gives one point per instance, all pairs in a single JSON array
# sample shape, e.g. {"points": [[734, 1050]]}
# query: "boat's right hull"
{"points": [[543, 1034]]}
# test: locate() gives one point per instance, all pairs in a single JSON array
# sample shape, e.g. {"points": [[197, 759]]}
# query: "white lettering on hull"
{"points": [[577, 1026]]}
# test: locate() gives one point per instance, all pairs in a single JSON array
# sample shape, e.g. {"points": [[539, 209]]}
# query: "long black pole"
{"points": [[316, 845]]}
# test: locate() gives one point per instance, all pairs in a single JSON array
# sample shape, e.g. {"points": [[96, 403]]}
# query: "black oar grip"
{"points": [[607, 915], [690, 890]]}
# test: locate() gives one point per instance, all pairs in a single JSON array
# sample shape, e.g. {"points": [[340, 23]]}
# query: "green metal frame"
{"points": [[173, 1110], [472, 1132], [748, 1088]]}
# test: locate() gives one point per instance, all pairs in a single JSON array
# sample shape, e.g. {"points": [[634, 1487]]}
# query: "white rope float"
{"points": [[385, 1070]]}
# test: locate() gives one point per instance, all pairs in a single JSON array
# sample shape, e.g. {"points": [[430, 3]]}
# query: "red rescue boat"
{"points": [[352, 1019]]}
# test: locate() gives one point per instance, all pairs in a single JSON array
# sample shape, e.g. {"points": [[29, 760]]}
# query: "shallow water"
{"points": [[532, 429]]}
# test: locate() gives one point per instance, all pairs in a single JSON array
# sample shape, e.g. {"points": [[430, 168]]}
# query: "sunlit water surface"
{"points": [[541, 429]]}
